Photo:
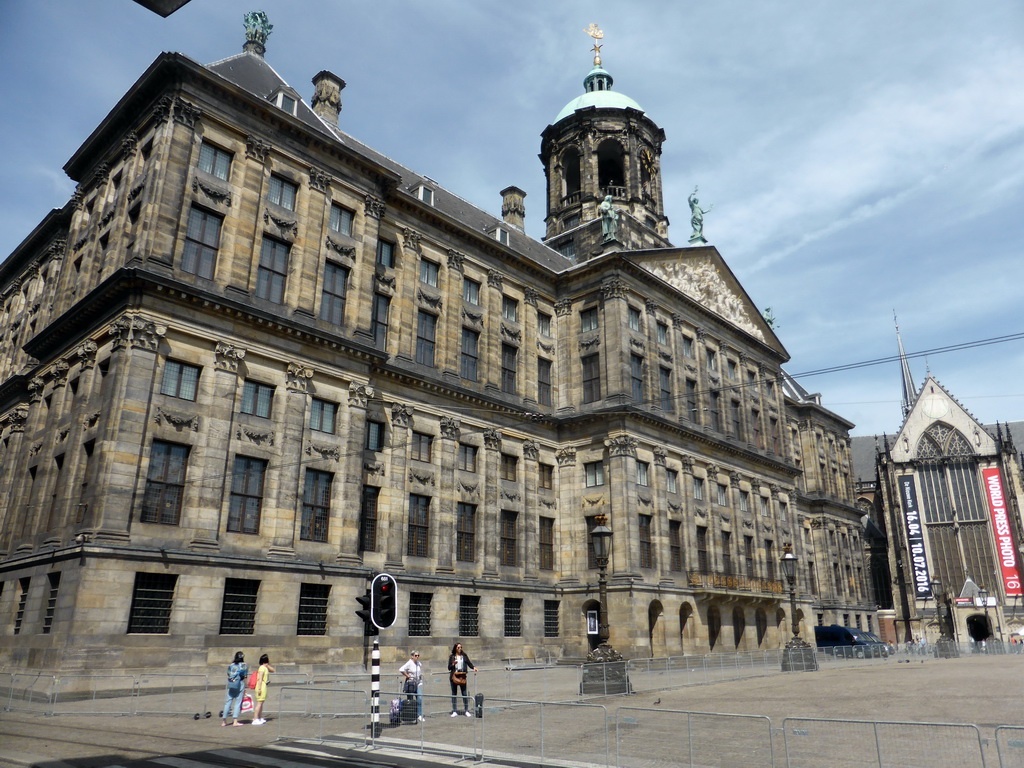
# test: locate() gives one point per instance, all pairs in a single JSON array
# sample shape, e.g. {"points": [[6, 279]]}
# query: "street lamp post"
{"points": [[798, 655], [605, 671], [983, 594], [945, 646]]}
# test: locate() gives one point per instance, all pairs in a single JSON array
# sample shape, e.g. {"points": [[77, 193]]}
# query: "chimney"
{"points": [[513, 207], [327, 96]]}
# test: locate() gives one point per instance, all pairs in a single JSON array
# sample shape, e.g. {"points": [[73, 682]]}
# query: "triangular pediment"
{"points": [[702, 275], [937, 425]]}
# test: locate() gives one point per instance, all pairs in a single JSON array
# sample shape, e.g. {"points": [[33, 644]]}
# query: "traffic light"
{"points": [[383, 600], [364, 613]]}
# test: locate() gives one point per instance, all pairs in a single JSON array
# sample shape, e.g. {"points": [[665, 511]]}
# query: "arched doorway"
{"points": [[685, 612], [979, 627], [761, 626], [589, 610], [714, 627], [739, 627], [656, 628]]}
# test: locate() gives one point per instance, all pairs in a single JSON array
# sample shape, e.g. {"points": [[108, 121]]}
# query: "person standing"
{"points": [[459, 665], [262, 678], [238, 670], [413, 685]]}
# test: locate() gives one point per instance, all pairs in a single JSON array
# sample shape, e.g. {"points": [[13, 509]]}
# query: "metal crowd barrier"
{"points": [[651, 738]]}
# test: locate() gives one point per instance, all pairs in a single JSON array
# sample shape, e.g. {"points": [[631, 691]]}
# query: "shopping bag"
{"points": [[247, 705]]}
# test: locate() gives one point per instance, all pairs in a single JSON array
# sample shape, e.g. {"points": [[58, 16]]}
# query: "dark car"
{"points": [[850, 642]]}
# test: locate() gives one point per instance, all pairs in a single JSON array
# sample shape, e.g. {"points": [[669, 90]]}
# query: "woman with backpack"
{"points": [[237, 671]]}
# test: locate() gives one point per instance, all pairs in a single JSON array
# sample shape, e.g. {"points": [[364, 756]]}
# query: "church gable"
{"points": [[937, 425], [702, 275]]}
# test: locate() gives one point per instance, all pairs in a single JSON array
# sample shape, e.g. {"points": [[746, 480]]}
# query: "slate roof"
{"points": [[252, 73]]}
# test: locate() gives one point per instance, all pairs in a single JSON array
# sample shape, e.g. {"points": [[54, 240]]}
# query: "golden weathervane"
{"points": [[595, 32]]}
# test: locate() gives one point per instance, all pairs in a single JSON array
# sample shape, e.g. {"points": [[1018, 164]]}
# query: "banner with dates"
{"points": [[915, 537]]}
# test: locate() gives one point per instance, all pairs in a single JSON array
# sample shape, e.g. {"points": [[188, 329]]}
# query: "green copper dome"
{"points": [[599, 93]]}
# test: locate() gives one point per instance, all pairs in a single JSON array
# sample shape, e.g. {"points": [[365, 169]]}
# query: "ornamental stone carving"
{"points": [[593, 501], [60, 373], [637, 344], [129, 144], [136, 332], [530, 296], [650, 306], [298, 378], [613, 289], [255, 436], [492, 439], [318, 180], [35, 389], [375, 468], [455, 259], [324, 451], [549, 348], [359, 395], [511, 333], [622, 445], [510, 496], [423, 478], [385, 281], [186, 114], [86, 354], [401, 415], [434, 302], [473, 317], [179, 421], [16, 419], [256, 149], [660, 455], [412, 241], [220, 196], [563, 307], [566, 457], [374, 207], [450, 428], [227, 357], [594, 342], [677, 321], [686, 462], [531, 450], [495, 279], [285, 226], [342, 250], [92, 419]]}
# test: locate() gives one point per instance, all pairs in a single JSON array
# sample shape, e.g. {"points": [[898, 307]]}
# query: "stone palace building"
{"points": [[252, 362]]}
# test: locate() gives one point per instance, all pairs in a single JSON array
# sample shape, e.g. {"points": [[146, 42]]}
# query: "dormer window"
{"points": [[426, 194], [285, 101], [501, 235]]}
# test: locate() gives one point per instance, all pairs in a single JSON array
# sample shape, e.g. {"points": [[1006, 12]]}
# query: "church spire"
{"points": [[909, 390]]}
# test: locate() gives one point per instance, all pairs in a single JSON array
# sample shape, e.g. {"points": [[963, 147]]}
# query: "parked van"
{"points": [[847, 641]]}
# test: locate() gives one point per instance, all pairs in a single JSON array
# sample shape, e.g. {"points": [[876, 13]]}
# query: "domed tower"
{"points": [[603, 144]]}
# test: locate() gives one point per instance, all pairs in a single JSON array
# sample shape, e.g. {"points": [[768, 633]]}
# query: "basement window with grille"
{"points": [[152, 597], [238, 611]]}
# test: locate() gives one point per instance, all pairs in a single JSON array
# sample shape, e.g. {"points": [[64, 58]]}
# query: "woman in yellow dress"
{"points": [[262, 678]]}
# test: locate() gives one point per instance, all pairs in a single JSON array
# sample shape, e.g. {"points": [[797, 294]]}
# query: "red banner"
{"points": [[1001, 530]]}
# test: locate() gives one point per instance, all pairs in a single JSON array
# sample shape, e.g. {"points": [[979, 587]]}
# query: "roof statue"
{"points": [[609, 219], [257, 30], [697, 218], [595, 32]]}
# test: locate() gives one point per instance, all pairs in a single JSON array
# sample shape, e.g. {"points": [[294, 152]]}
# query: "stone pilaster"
{"points": [[622, 481]]}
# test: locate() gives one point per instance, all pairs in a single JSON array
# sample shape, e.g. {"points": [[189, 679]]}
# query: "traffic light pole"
{"points": [[375, 690]]}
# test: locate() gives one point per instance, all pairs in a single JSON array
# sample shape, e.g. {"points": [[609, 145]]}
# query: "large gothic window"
{"points": [[948, 476], [611, 169]]}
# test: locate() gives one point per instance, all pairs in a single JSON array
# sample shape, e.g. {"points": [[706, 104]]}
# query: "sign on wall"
{"points": [[915, 537], [1001, 531]]}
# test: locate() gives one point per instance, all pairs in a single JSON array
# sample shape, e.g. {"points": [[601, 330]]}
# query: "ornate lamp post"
{"points": [[601, 535], [945, 646], [798, 655], [983, 594]]}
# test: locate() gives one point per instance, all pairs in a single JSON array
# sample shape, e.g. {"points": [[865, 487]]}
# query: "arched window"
{"points": [[571, 172], [739, 625], [761, 624], [611, 169], [714, 627]]}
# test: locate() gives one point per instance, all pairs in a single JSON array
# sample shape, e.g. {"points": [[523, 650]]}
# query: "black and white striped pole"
{"points": [[375, 690], [378, 612]]}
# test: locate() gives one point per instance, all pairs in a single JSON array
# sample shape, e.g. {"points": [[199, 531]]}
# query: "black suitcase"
{"points": [[409, 713]]}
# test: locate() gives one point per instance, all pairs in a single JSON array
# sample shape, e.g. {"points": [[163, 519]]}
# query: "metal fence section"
{"points": [[1009, 741], [175, 694], [656, 738], [93, 695], [28, 692], [337, 709], [862, 744]]}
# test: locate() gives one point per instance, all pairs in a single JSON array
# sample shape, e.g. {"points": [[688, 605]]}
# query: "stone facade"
{"points": [[253, 362]]}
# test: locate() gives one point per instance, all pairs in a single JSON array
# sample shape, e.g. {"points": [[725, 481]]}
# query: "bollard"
{"points": [[479, 701]]}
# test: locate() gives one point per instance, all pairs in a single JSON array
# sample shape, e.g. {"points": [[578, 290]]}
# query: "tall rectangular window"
{"points": [[312, 615], [282, 192], [273, 270], [341, 219], [215, 161], [469, 358], [19, 614], [374, 435], [672, 480], [636, 377], [551, 611], [688, 346], [419, 525], [703, 563], [165, 483], [662, 333], [543, 381], [544, 324], [332, 297], [469, 615], [667, 401], [429, 271], [588, 319], [643, 473], [152, 597], [379, 317], [713, 412], [426, 334], [744, 501], [691, 400], [467, 457], [180, 380], [721, 494], [322, 415], [727, 553], [764, 505], [755, 428], [368, 519], [547, 543], [675, 545], [546, 475], [419, 614], [513, 617], [257, 398], [422, 445], [509, 467], [509, 537], [316, 505], [386, 253], [470, 291], [51, 601], [202, 242], [769, 559], [736, 419], [698, 488], [748, 554], [593, 474], [509, 367], [238, 609], [634, 319], [510, 309], [246, 495], [591, 378], [465, 532], [646, 541]]}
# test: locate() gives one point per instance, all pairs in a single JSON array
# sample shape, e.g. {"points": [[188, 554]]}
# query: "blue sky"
{"points": [[861, 157]]}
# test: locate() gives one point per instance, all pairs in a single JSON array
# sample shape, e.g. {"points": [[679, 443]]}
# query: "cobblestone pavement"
{"points": [[984, 691]]}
